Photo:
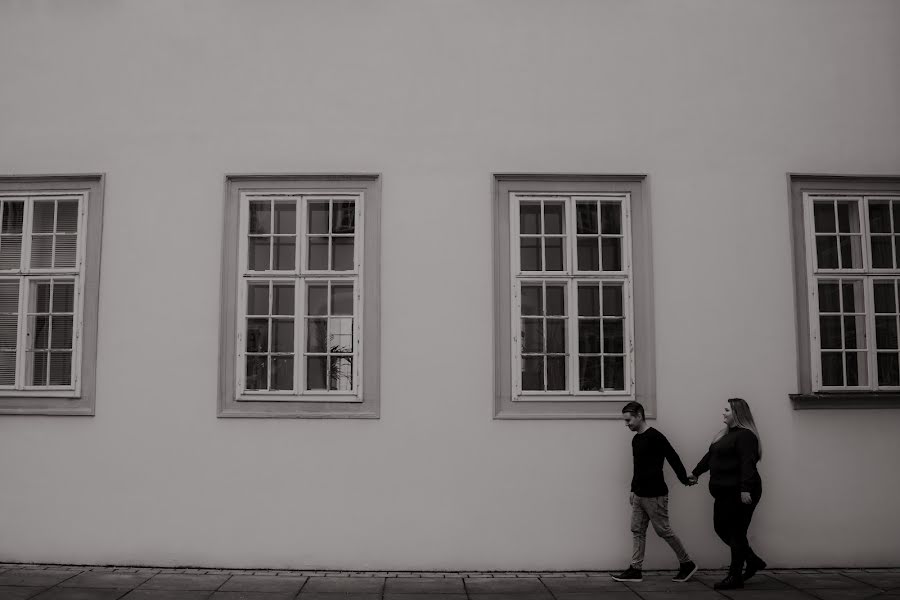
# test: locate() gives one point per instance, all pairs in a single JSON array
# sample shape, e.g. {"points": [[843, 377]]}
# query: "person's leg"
{"points": [[658, 510], [639, 521], [720, 516]]}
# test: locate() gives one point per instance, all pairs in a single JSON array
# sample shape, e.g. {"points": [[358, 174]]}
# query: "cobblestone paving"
{"points": [[70, 582]]}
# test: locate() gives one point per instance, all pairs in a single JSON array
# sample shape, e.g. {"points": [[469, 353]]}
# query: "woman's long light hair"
{"points": [[742, 418]]}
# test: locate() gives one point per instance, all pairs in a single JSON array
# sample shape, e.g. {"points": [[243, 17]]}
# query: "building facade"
{"points": [[364, 285]]}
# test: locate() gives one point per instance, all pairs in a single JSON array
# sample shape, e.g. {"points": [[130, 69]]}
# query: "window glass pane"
{"points": [[286, 218], [586, 217], [886, 333], [282, 335], [317, 219], [342, 253], [830, 332], [589, 336], [880, 217], [589, 374], [896, 214], [13, 216], [60, 368], [283, 299], [588, 300], [317, 299], [611, 253], [614, 372], [258, 299], [318, 254], [43, 216], [344, 219], [316, 367], [260, 217], [530, 254], [826, 252], [341, 373], [66, 245], [556, 300], [613, 336], [61, 332], [896, 249], [39, 366], [340, 337], [824, 217], [612, 300], [285, 251], [556, 372], [7, 368], [556, 336], [10, 251], [885, 299], [832, 368], [258, 259], [532, 373], [530, 218], [257, 373], [853, 297], [553, 217], [63, 297], [829, 297], [257, 335], [532, 335], [848, 217], [41, 293], [9, 330], [857, 370], [851, 251], [341, 299], [315, 335], [67, 216], [882, 252], [610, 217], [40, 332], [282, 372], [888, 368], [854, 332], [532, 303], [9, 297], [42, 251], [553, 249], [588, 254]]}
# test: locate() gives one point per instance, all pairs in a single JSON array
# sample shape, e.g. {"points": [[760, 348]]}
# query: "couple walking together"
{"points": [[733, 482]]}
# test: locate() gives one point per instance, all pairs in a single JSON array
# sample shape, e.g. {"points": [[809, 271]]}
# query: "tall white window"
{"points": [[571, 289], [300, 296], [853, 271], [41, 289]]}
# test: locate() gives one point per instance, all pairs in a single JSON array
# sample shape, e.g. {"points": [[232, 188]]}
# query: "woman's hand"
{"points": [[745, 498]]}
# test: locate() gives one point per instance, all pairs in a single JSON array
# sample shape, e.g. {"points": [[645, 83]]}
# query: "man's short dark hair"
{"points": [[634, 408]]}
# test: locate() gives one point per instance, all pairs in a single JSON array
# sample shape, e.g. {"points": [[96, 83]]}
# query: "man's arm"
{"points": [[674, 460]]}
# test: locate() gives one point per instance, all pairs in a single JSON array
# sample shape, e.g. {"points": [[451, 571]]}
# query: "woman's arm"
{"points": [[748, 454], [702, 466]]}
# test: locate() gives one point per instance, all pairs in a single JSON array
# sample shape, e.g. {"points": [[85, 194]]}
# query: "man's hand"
{"points": [[745, 498]]}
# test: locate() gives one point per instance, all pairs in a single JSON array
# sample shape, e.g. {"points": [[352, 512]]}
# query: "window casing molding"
{"points": [[240, 396], [634, 276], [76, 272], [858, 190]]}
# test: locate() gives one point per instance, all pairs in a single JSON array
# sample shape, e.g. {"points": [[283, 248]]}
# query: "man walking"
{"points": [[649, 494]]}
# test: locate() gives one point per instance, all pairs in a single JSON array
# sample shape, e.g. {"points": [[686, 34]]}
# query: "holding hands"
{"points": [[745, 498], [691, 480]]}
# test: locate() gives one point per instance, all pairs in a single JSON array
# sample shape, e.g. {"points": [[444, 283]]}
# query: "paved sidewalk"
{"points": [[56, 582]]}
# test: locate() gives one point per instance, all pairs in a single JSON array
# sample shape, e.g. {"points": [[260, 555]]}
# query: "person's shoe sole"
{"points": [[686, 577], [623, 579], [750, 572]]}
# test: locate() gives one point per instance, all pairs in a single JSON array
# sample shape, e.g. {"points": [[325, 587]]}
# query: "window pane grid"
{"points": [[596, 356]]}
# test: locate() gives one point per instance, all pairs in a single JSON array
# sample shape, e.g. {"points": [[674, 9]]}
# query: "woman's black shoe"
{"points": [[729, 583], [752, 567]]}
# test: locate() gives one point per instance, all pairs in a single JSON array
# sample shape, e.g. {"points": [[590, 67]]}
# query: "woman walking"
{"points": [[736, 487]]}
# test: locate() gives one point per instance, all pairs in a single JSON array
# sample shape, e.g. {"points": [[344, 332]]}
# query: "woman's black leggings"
{"points": [[731, 519]]}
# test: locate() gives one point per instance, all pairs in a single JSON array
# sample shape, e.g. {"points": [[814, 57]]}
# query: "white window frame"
{"points": [[866, 274], [571, 276]]}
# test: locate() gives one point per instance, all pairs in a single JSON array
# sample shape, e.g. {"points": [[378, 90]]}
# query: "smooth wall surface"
{"points": [[715, 100]]}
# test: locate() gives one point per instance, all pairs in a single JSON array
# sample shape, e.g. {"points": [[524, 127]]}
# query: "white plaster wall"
{"points": [[715, 100]]}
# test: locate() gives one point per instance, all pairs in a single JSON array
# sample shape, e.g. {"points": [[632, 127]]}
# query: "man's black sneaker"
{"points": [[629, 574], [729, 583], [752, 567], [685, 571]]}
